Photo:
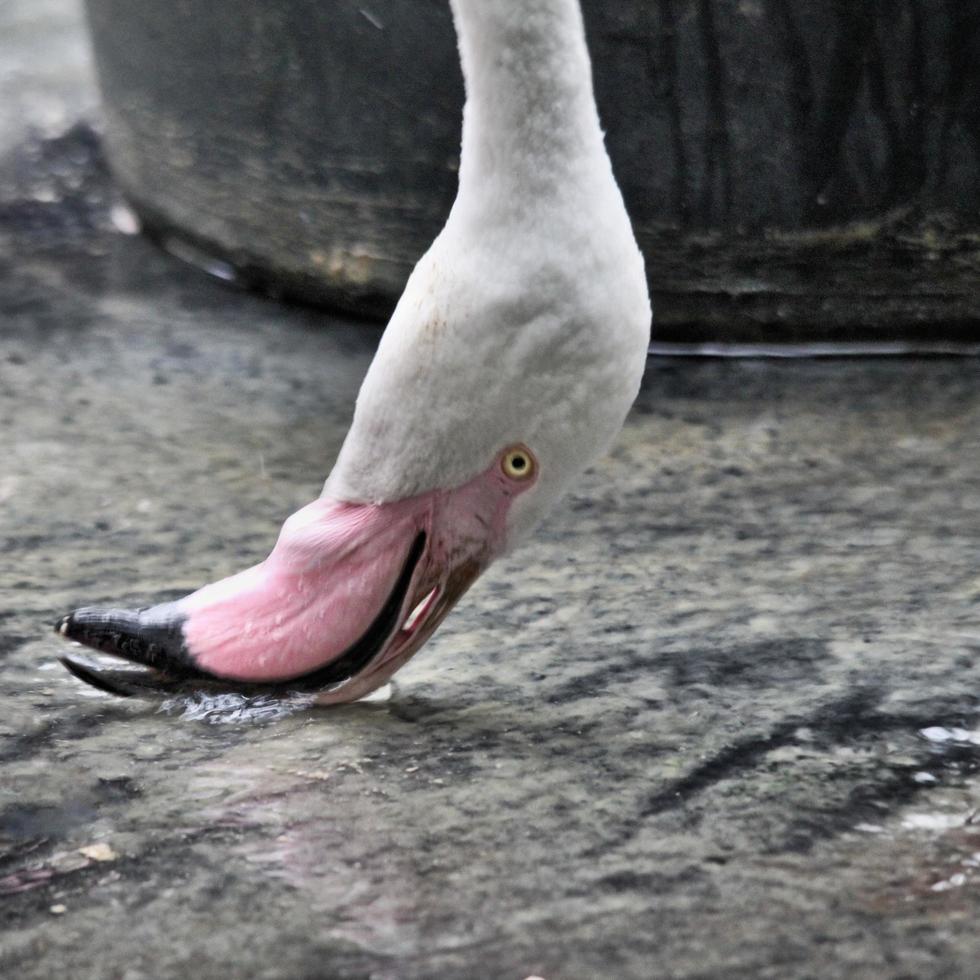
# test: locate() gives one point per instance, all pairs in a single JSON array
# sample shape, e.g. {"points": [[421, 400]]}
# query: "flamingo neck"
{"points": [[530, 126]]}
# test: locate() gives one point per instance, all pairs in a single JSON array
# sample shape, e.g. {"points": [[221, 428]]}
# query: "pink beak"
{"points": [[348, 595]]}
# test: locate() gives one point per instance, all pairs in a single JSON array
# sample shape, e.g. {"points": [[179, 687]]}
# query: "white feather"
{"points": [[528, 318]]}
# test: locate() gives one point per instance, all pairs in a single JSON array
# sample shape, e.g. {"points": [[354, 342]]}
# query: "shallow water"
{"points": [[718, 719]]}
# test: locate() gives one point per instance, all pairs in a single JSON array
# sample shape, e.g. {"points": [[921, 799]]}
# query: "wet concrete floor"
{"points": [[719, 718]]}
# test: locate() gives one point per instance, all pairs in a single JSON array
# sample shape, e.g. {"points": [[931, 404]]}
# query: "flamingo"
{"points": [[507, 368]]}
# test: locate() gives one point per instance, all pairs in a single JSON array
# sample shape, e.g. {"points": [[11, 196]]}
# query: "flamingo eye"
{"points": [[518, 463]]}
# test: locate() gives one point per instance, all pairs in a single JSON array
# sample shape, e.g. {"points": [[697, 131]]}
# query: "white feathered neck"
{"points": [[530, 123], [528, 318]]}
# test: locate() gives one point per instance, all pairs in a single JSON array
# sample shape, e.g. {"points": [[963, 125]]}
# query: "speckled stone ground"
{"points": [[719, 719]]}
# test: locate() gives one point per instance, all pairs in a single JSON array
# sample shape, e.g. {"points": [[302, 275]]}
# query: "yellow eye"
{"points": [[518, 463]]}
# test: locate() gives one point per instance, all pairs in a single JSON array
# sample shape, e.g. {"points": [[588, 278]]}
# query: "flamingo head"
{"points": [[349, 593], [507, 368]]}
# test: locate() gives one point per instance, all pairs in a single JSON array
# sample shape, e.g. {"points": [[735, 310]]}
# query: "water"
{"points": [[234, 709]]}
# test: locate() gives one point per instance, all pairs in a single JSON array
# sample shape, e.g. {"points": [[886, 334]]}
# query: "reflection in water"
{"points": [[314, 819], [371, 897]]}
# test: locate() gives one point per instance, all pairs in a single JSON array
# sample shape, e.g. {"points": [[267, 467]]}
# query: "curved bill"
{"points": [[347, 596]]}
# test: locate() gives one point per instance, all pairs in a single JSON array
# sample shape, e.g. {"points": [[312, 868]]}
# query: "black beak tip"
{"points": [[64, 625], [150, 637], [92, 677], [74, 667]]}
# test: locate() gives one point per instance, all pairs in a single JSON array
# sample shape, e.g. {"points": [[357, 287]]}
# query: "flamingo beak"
{"points": [[428, 608], [346, 598]]}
